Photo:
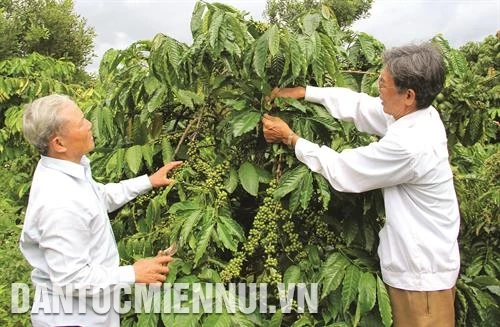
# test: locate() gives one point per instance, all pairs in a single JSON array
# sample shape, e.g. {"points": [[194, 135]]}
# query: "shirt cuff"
{"points": [[313, 94], [301, 148], [139, 185], [125, 274]]}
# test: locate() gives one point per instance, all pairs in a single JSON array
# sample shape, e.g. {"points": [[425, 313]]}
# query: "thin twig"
{"points": [[182, 138], [187, 131], [358, 72]]}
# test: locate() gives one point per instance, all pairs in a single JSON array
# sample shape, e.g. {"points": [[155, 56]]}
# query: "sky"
{"points": [[394, 22]]}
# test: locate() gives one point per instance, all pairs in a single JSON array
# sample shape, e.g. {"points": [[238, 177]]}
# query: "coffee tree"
{"points": [[246, 211]]}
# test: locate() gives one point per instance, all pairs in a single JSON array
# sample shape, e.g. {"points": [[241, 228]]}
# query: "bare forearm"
{"points": [[298, 92]]}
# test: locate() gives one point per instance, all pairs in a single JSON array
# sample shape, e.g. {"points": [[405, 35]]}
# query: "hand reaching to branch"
{"points": [[276, 130], [298, 92], [160, 178], [152, 270]]}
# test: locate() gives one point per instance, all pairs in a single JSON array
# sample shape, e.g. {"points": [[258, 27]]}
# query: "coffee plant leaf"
{"points": [[332, 273], [244, 121], [367, 292], [384, 304], [350, 286], [204, 240], [290, 181], [249, 178], [133, 157]]}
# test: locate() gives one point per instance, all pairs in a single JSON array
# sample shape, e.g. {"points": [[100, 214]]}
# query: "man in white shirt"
{"points": [[67, 236], [418, 248]]}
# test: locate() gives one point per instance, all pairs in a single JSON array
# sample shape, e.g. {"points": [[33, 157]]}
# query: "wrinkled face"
{"points": [[76, 133], [393, 101]]}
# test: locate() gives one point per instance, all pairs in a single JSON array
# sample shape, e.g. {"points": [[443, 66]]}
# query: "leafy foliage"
{"points": [[49, 27], [243, 210], [469, 101], [284, 12]]}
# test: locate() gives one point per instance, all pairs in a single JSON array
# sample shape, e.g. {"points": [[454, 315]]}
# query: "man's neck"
{"points": [[64, 156]]}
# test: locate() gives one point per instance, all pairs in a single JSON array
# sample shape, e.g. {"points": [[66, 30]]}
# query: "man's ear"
{"points": [[411, 98], [56, 144]]}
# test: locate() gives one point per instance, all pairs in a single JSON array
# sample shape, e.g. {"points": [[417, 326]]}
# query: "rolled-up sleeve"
{"points": [[380, 164], [363, 110], [117, 194]]}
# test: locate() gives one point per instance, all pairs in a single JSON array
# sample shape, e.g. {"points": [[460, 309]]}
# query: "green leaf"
{"points": [[133, 157], [188, 98], [329, 55], [196, 21], [187, 319], [243, 320], [231, 182], [351, 228], [209, 275], [107, 120], [264, 175], [224, 235], [147, 320], [306, 190], [296, 57], [274, 40], [292, 275], [189, 224], [495, 289], [184, 207], [249, 178], [346, 80], [295, 198], [115, 162], [304, 321], [167, 152], [290, 181], [332, 273], [367, 292], [172, 47], [158, 98], [260, 55], [244, 121], [217, 320], [311, 23], [369, 83], [233, 227], [282, 102], [323, 189], [276, 319], [350, 286], [215, 26], [201, 247], [147, 154], [365, 42], [384, 304]]}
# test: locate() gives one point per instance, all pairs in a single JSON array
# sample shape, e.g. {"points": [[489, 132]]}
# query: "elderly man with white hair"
{"points": [[67, 236]]}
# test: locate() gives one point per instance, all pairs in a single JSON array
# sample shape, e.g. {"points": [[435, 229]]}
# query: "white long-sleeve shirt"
{"points": [[67, 238], [418, 247]]}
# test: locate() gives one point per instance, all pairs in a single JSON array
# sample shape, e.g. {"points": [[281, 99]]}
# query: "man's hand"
{"points": [[152, 270], [159, 178], [275, 129], [298, 92]]}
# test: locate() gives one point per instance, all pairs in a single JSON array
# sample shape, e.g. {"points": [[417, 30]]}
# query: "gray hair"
{"points": [[42, 118], [417, 67]]}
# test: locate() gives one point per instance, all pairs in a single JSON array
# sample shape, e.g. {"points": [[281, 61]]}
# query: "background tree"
{"points": [[284, 11], [49, 27]]}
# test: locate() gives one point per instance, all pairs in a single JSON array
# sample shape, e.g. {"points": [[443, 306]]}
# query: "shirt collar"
{"points": [[66, 166], [410, 119]]}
